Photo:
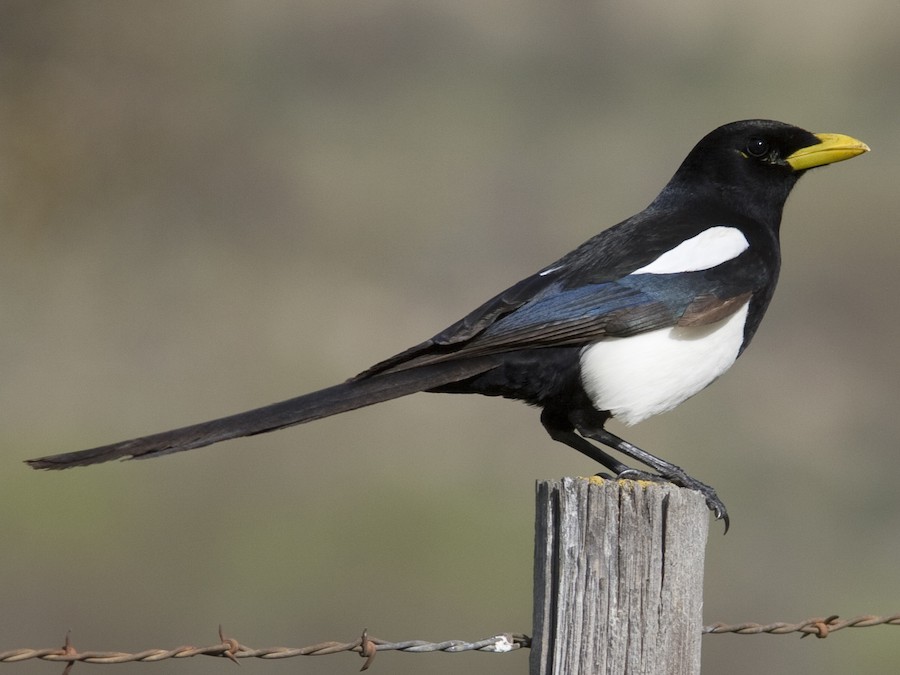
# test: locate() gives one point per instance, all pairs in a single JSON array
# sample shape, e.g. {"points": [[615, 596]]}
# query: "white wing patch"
{"points": [[709, 248], [643, 375]]}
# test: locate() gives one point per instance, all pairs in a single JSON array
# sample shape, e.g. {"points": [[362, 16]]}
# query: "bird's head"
{"points": [[754, 164]]}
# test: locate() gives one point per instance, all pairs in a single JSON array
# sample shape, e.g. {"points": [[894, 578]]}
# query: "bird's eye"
{"points": [[757, 147]]}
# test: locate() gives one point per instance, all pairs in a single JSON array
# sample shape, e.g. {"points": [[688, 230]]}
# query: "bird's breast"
{"points": [[643, 375]]}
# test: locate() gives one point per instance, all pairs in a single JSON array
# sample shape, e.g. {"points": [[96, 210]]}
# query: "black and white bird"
{"points": [[631, 323]]}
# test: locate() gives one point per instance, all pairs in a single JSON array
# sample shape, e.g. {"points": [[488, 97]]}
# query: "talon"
{"points": [[714, 504]]}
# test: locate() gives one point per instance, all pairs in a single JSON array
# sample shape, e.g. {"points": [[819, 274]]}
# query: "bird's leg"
{"points": [[561, 430], [670, 472]]}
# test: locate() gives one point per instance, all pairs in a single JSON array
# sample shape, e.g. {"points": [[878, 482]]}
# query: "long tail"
{"points": [[316, 405]]}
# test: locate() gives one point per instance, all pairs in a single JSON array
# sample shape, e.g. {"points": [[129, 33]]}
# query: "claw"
{"points": [[713, 503]]}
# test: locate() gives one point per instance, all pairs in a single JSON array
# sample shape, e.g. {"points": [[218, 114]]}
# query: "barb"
{"points": [[820, 627]]}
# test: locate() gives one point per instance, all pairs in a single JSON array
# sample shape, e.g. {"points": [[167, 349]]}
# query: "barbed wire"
{"points": [[230, 648], [367, 647], [821, 627]]}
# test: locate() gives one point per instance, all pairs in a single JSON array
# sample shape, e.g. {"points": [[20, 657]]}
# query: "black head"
{"points": [[751, 166]]}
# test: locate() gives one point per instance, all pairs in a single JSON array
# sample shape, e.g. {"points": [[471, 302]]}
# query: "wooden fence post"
{"points": [[618, 578]]}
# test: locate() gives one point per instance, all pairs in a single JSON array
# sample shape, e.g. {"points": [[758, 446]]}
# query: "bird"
{"points": [[630, 324]]}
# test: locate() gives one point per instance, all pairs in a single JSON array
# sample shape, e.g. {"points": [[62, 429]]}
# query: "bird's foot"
{"points": [[681, 479]]}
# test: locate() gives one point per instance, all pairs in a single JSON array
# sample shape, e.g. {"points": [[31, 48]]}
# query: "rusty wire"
{"points": [[821, 627], [367, 647], [230, 648]]}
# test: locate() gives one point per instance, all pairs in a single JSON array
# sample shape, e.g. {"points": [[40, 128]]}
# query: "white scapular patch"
{"points": [[709, 248], [643, 375]]}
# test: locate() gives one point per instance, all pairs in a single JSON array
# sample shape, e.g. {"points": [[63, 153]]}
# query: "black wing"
{"points": [[558, 317]]}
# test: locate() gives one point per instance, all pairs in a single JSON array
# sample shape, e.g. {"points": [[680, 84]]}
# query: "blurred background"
{"points": [[210, 206]]}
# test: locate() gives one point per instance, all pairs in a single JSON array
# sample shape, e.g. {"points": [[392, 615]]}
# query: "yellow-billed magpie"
{"points": [[629, 324]]}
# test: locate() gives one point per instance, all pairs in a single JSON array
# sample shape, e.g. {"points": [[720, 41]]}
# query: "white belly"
{"points": [[640, 376]]}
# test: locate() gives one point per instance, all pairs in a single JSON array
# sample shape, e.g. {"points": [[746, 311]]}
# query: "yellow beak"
{"points": [[830, 148]]}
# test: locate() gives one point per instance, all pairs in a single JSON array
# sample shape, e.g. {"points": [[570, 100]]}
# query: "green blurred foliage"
{"points": [[209, 206]]}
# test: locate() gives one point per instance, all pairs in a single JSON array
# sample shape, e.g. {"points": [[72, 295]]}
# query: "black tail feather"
{"points": [[340, 398]]}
